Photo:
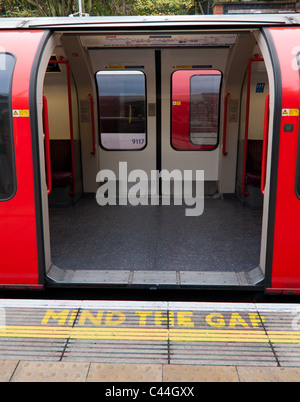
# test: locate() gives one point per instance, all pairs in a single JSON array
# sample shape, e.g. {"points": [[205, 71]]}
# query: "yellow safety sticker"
{"points": [[137, 67], [183, 66], [176, 103], [116, 67], [20, 113], [290, 112]]}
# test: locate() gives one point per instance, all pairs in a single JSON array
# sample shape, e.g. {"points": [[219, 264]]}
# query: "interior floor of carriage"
{"points": [[156, 245]]}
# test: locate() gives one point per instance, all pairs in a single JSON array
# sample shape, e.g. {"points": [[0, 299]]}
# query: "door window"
{"points": [[195, 109], [122, 104], [7, 159]]}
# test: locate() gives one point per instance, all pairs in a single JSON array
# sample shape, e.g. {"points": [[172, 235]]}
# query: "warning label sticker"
{"points": [[20, 113], [290, 112]]}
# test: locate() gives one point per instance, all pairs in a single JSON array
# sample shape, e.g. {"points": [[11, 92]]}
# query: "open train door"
{"points": [[21, 223], [282, 255]]}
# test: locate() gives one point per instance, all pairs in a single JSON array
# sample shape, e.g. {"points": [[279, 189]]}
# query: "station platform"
{"points": [[126, 341]]}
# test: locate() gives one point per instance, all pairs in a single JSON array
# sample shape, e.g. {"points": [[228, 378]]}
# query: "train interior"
{"points": [[127, 106]]}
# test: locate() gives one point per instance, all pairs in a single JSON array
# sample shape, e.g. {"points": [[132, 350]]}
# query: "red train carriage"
{"points": [[150, 152]]}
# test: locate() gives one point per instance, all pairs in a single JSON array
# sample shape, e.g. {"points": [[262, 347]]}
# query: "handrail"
{"points": [[256, 58], [265, 145], [93, 124], [47, 145], [61, 61], [225, 123]]}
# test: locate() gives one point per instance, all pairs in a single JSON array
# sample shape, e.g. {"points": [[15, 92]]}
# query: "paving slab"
{"points": [[50, 372], [268, 374], [7, 368], [32, 371], [190, 373], [125, 373]]}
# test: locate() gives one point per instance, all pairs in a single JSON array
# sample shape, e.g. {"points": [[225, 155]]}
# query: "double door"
{"points": [[156, 113]]}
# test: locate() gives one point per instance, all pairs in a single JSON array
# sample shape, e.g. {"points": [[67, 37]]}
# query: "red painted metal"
{"points": [[286, 263], [256, 58], [47, 144], [93, 125], [265, 145], [225, 123], [61, 61], [18, 235]]}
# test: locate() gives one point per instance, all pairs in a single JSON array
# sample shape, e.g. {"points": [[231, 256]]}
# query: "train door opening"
{"points": [[60, 105], [139, 109]]}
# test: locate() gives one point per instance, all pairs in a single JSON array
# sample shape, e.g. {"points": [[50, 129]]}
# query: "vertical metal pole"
{"points": [[256, 58], [80, 8]]}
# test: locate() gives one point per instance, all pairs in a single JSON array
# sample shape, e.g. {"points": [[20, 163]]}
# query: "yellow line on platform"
{"points": [[150, 334]]}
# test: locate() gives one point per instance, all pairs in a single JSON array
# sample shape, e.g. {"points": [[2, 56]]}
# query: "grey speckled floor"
{"points": [[89, 237]]}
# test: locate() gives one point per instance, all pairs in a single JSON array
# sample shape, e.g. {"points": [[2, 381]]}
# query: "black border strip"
{"points": [[11, 130], [36, 157], [275, 155], [297, 176], [158, 112]]}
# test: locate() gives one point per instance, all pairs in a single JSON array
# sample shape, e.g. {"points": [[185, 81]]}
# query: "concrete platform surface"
{"points": [[148, 342], [33, 371]]}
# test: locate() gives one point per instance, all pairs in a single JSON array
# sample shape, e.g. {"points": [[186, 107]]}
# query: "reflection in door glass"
{"points": [[204, 109], [195, 109], [122, 103]]}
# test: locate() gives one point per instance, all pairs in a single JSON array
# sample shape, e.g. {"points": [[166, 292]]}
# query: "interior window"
{"points": [[7, 159], [122, 103]]}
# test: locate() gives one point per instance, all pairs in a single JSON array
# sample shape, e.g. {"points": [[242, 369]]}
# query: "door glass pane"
{"points": [[122, 104], [204, 109], [195, 109], [7, 160]]}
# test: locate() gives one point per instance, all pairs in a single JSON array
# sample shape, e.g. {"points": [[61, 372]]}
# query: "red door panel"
{"points": [[18, 229], [286, 242]]}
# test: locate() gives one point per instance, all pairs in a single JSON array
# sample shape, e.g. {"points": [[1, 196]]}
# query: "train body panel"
{"points": [[19, 250], [187, 138], [285, 264]]}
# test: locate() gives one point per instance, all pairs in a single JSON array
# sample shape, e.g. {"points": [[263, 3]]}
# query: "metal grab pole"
{"points": [[93, 124], [61, 61], [256, 58], [225, 123], [265, 145], [47, 145]]}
